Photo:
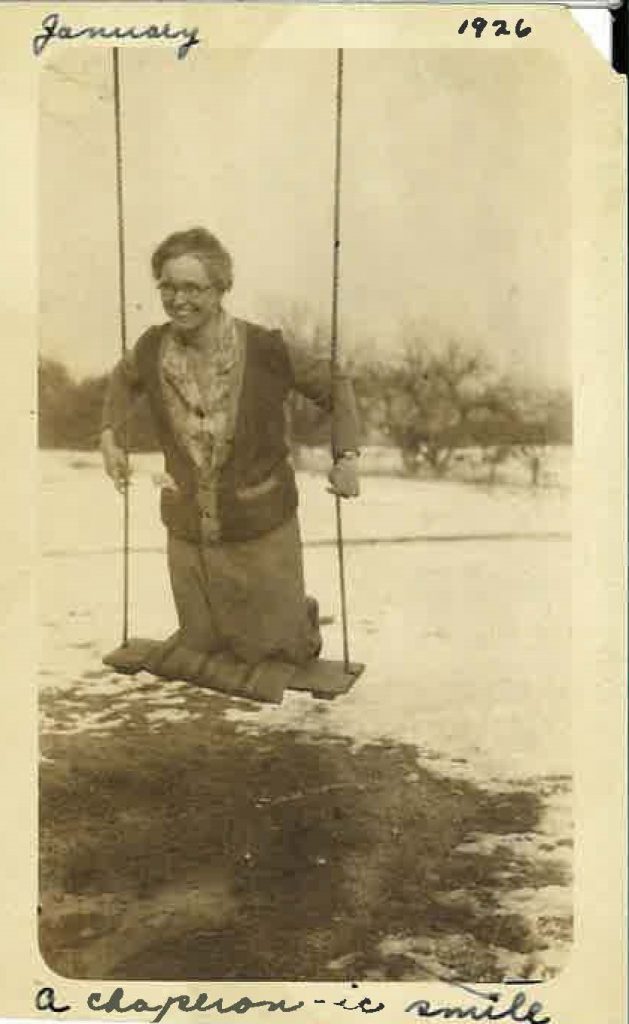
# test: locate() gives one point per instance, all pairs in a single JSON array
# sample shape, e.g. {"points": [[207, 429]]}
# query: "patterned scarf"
{"points": [[201, 389]]}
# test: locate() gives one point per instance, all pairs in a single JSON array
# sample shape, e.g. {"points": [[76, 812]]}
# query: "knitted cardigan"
{"points": [[256, 487]]}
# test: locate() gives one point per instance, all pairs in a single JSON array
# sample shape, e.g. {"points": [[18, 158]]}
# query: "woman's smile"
{"points": [[185, 314]]}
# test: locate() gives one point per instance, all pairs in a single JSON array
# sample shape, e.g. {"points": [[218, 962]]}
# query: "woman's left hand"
{"points": [[165, 481], [344, 477]]}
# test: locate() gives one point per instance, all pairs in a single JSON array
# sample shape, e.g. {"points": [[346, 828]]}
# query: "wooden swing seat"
{"points": [[266, 682]]}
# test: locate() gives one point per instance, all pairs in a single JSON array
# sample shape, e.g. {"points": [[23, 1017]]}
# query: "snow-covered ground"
{"points": [[459, 600]]}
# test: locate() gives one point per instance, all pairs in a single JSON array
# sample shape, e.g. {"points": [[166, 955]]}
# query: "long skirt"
{"points": [[245, 597]]}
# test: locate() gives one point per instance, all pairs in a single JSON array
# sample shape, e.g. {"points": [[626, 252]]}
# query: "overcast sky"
{"points": [[455, 200]]}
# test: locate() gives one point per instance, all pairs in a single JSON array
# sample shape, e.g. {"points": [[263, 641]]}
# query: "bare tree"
{"points": [[530, 420], [423, 402], [544, 418]]}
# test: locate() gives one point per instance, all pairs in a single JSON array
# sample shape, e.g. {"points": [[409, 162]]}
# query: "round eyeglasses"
{"points": [[168, 291]]}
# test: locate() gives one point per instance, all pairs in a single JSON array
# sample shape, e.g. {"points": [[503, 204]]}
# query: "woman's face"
{"points": [[188, 296]]}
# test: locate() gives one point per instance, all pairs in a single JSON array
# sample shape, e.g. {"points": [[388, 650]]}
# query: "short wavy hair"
{"points": [[205, 246]]}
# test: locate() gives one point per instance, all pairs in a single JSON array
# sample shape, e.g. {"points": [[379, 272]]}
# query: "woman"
{"points": [[216, 387]]}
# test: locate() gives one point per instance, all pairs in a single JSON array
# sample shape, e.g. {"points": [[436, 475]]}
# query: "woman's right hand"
{"points": [[115, 461]]}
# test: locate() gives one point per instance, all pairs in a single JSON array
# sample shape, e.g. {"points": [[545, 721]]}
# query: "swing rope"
{"points": [[334, 344], [122, 301]]}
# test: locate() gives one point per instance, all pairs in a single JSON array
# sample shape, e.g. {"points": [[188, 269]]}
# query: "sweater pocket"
{"points": [[250, 510], [257, 490]]}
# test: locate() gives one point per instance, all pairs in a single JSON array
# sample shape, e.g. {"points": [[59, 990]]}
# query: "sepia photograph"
{"points": [[305, 427]]}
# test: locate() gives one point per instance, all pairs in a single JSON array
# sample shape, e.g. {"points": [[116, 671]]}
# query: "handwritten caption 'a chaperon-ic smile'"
{"points": [[511, 1004], [53, 28]]}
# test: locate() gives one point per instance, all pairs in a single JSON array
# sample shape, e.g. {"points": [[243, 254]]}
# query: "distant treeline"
{"points": [[70, 411], [433, 402], [427, 402]]}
